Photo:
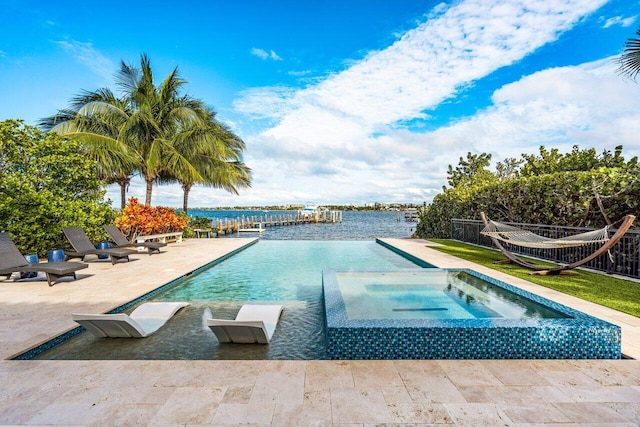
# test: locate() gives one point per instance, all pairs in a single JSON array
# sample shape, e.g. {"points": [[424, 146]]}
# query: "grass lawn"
{"points": [[619, 294]]}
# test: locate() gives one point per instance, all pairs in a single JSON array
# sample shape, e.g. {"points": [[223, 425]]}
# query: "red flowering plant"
{"points": [[139, 220]]}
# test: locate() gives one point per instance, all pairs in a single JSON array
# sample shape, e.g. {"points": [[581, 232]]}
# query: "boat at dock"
{"points": [[310, 211]]}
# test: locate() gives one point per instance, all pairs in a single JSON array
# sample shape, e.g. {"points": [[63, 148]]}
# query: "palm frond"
{"points": [[156, 131], [127, 78], [630, 58], [62, 116]]}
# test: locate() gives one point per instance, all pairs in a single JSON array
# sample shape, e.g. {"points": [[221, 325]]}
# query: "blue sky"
{"points": [[346, 101]]}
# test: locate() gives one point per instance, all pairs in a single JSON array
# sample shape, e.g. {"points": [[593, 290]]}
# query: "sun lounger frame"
{"points": [[82, 247], [12, 261]]}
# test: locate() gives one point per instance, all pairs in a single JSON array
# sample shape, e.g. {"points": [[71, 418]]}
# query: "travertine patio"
{"points": [[295, 393]]}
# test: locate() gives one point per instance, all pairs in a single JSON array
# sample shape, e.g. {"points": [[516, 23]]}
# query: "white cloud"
{"points": [[434, 61], [86, 54], [276, 101], [301, 73], [619, 20], [274, 56], [264, 55], [344, 125], [587, 105], [337, 141]]}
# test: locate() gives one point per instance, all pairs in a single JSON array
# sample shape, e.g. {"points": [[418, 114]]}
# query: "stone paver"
{"points": [[289, 393]]}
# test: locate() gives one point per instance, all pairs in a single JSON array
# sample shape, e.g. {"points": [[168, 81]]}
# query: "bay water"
{"points": [[355, 225]]}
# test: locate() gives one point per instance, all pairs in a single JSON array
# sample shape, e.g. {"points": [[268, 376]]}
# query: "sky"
{"points": [[345, 102]]}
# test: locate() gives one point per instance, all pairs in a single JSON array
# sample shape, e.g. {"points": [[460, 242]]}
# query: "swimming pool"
{"points": [[291, 273], [454, 314], [287, 272]]}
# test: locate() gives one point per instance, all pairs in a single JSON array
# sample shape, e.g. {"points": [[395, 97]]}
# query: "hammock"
{"points": [[498, 232], [516, 236]]}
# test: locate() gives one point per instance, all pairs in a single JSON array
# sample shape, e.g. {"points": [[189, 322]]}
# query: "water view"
{"points": [[355, 225]]}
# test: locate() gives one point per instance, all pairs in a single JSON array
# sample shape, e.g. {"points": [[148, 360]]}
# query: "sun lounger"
{"points": [[143, 321], [82, 247], [12, 261], [253, 324], [121, 240]]}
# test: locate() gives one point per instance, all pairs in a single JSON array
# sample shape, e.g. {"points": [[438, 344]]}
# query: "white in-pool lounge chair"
{"points": [[143, 321], [253, 324]]}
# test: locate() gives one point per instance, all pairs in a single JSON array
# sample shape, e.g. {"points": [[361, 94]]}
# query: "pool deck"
{"points": [[291, 393]]}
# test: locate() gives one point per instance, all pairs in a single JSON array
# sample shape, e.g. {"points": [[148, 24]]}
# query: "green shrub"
{"points": [[47, 183], [577, 198]]}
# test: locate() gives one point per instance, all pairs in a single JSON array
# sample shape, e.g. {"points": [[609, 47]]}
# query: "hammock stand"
{"points": [[499, 232]]}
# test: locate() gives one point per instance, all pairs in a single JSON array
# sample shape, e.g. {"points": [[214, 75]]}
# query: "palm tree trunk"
{"points": [[185, 196], [124, 186], [147, 200], [123, 195]]}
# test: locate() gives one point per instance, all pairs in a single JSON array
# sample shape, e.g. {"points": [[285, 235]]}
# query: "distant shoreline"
{"points": [[296, 208]]}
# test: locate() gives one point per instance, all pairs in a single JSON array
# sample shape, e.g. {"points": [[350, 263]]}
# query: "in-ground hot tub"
{"points": [[453, 314]]}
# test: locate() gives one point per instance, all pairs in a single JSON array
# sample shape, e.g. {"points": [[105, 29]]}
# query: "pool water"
{"points": [[284, 272], [433, 294], [455, 314]]}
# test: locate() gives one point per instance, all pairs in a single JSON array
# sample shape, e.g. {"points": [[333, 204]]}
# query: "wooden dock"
{"points": [[260, 223], [411, 215]]}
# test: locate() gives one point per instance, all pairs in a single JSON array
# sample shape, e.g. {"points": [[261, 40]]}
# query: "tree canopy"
{"points": [[578, 188], [47, 182], [154, 130], [469, 170]]}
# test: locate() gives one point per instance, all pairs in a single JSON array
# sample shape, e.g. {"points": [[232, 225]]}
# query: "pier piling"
{"points": [[260, 223]]}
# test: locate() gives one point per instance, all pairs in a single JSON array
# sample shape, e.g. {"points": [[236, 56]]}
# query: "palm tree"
{"points": [[216, 152], [161, 118], [630, 58], [152, 122], [95, 119]]}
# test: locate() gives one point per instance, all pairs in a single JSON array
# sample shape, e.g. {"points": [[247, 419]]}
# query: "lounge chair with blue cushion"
{"points": [[143, 321], [253, 324], [82, 247], [12, 261], [121, 240]]}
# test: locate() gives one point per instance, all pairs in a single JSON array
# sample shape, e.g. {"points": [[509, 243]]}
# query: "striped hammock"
{"points": [[516, 236]]}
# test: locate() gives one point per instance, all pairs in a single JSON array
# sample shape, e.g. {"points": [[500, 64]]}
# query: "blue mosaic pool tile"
{"points": [[578, 336]]}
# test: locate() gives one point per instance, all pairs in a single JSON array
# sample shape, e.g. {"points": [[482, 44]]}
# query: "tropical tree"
{"points": [[160, 128], [579, 188], [630, 58], [47, 182], [95, 119], [473, 169], [160, 119], [553, 161], [217, 155]]}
